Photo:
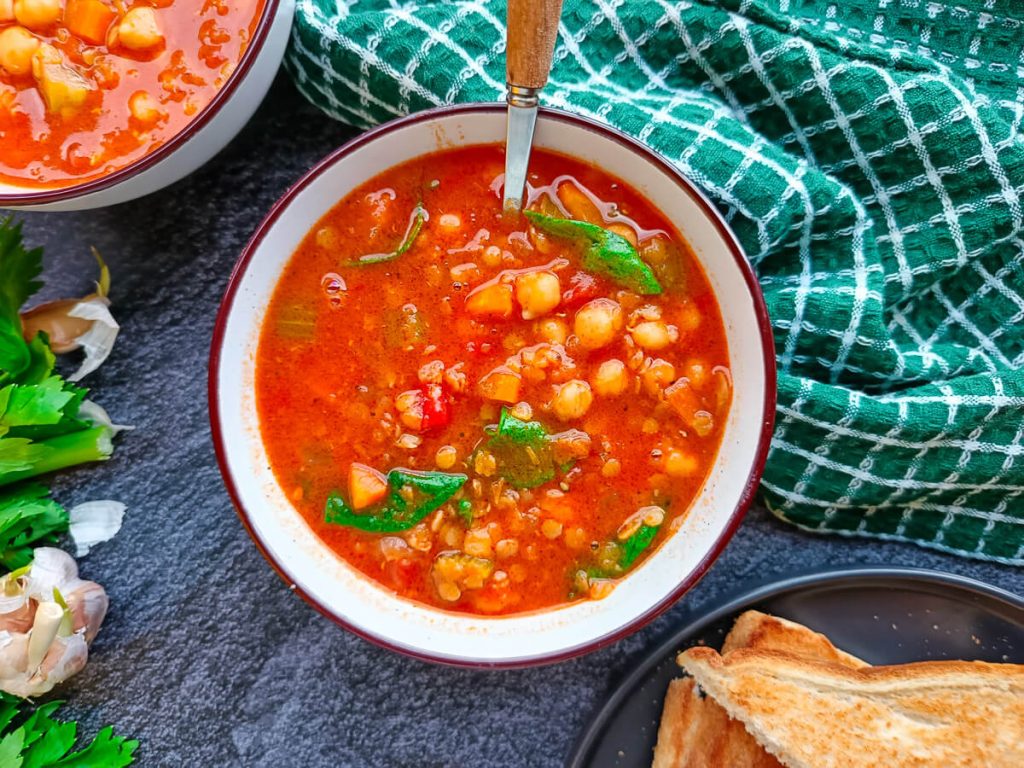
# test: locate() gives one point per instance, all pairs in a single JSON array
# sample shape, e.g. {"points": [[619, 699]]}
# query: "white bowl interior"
{"points": [[368, 606]]}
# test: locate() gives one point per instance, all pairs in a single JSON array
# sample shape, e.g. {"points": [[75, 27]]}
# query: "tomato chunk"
{"points": [[582, 288], [437, 408]]}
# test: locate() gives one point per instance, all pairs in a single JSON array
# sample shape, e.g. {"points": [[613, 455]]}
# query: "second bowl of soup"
{"points": [[485, 437], [102, 101]]}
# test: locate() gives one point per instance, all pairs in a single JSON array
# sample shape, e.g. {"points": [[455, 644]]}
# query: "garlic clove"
{"points": [[44, 630], [88, 604]]}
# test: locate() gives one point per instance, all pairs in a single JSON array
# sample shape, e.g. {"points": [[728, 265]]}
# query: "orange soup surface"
{"points": [[90, 86], [485, 412]]}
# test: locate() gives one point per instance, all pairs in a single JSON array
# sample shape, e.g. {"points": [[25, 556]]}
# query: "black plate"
{"points": [[882, 615]]}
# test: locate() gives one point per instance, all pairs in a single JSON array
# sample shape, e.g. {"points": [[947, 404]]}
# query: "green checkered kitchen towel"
{"points": [[868, 154]]}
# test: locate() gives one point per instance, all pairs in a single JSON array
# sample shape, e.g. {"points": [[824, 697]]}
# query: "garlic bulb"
{"points": [[48, 617]]}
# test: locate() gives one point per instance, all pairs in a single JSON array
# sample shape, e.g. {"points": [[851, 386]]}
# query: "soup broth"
{"points": [[490, 412]]}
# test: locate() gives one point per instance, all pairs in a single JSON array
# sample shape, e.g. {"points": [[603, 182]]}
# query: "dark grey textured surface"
{"points": [[206, 656]]}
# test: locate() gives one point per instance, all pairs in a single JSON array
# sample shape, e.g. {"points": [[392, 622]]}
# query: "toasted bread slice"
{"points": [[754, 629], [695, 732], [819, 714]]}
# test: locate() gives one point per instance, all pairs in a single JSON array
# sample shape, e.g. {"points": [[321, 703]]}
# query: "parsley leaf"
{"points": [[28, 517], [35, 740]]}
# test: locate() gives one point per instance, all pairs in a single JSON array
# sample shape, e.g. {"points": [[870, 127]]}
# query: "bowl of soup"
{"points": [[491, 438], [103, 101]]}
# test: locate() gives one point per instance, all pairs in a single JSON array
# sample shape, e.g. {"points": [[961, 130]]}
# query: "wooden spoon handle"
{"points": [[532, 29]]}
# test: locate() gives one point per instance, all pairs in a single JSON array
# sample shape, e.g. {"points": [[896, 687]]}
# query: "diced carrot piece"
{"points": [[684, 401], [89, 20], [579, 206], [625, 231], [501, 384], [366, 486], [493, 300]]}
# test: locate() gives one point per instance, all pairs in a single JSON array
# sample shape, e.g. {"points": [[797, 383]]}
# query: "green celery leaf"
{"points": [[428, 491], [634, 546], [602, 251], [28, 518], [19, 269], [522, 450], [35, 404], [69, 421], [40, 362]]}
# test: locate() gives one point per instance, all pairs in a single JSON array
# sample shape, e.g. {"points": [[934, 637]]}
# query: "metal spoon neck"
{"points": [[521, 96]]}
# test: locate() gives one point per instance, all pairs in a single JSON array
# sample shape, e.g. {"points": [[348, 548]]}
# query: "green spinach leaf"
{"points": [[522, 450], [412, 495], [635, 545], [602, 252]]}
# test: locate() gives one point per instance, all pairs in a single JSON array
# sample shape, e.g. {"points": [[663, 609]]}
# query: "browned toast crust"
{"points": [[810, 712], [695, 732]]}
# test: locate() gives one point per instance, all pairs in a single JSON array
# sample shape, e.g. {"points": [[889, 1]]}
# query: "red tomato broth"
{"points": [[331, 366], [48, 145]]}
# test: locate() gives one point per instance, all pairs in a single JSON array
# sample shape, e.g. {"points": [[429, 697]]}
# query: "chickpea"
{"points": [[611, 378], [449, 221], [680, 464], [597, 322], [572, 400], [144, 107], [17, 45], [553, 330], [139, 29], [446, 457], [6, 10], [538, 293], [654, 334], [37, 14], [657, 375], [492, 256]]}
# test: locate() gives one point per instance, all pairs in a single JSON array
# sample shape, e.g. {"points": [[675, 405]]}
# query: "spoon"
{"points": [[532, 28]]}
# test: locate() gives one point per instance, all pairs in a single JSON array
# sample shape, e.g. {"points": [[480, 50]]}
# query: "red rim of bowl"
{"points": [[147, 161], [767, 416]]}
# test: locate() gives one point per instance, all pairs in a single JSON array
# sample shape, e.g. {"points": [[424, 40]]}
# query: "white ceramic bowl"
{"points": [[366, 607], [207, 133]]}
